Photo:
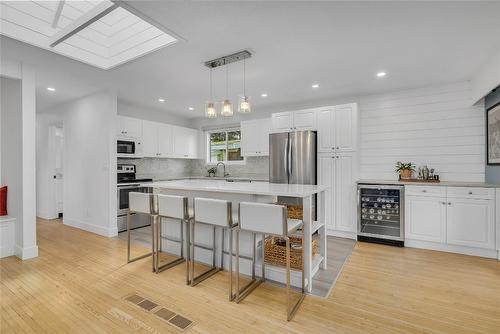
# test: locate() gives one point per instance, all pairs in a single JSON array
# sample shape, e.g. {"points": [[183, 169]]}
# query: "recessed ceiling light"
{"points": [[161, 100], [51, 89], [263, 94], [381, 74], [191, 108], [315, 86]]}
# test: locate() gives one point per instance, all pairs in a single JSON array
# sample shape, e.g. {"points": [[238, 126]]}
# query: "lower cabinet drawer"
{"points": [[471, 192], [433, 191]]}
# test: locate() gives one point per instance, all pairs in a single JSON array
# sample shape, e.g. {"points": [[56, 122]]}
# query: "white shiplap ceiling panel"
{"points": [[113, 39]]}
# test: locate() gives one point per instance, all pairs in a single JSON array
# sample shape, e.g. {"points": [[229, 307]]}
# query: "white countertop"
{"points": [[252, 188], [442, 183]]}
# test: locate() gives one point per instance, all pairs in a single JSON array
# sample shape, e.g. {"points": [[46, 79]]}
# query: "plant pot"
{"points": [[405, 174]]}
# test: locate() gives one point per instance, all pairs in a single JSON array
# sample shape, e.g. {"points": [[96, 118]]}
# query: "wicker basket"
{"points": [[294, 211], [276, 251]]}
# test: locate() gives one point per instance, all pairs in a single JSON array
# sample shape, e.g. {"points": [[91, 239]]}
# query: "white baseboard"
{"points": [[25, 253], [342, 234], [106, 232], [489, 253], [46, 215]]}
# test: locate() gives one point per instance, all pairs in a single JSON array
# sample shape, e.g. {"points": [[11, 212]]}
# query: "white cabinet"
{"points": [[185, 142], [150, 139], [471, 222], [161, 140], [129, 127], [255, 137], [298, 120], [337, 128], [165, 140], [425, 218], [456, 219], [339, 173]]}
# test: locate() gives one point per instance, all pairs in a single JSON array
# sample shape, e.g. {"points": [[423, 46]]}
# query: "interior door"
{"points": [[278, 157], [302, 151]]}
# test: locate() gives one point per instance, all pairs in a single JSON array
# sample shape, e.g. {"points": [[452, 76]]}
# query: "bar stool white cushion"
{"points": [[141, 203], [212, 211], [262, 218], [172, 206]]}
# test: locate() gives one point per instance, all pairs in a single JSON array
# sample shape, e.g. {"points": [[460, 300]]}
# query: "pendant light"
{"points": [[210, 111], [244, 100], [227, 106]]}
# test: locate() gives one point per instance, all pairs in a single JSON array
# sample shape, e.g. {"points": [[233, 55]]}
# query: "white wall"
{"points": [[486, 78], [126, 109], [18, 154], [90, 163], [435, 126]]}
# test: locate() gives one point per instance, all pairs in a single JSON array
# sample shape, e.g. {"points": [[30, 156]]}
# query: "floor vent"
{"points": [[176, 320]]}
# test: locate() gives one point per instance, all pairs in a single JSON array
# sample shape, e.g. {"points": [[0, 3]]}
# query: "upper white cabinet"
{"points": [[294, 120], [255, 137], [129, 127], [337, 128], [185, 142], [166, 141]]}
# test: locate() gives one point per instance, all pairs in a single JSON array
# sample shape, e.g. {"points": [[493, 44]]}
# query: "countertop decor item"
{"points": [[212, 171], [405, 170]]}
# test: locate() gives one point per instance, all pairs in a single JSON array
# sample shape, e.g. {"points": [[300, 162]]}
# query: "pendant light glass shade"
{"points": [[227, 108], [244, 104], [244, 100], [210, 110]]}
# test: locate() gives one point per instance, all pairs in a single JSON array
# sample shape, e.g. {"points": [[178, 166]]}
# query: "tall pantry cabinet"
{"points": [[338, 166]]}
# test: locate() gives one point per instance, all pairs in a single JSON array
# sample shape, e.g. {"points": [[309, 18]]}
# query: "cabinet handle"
{"points": [[424, 191], [444, 203], [449, 203], [337, 147], [470, 192]]}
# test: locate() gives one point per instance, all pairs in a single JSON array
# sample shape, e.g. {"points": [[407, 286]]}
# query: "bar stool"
{"points": [[142, 203], [268, 219], [171, 207], [218, 214]]}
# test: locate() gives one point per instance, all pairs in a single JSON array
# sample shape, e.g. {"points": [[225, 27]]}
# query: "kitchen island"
{"points": [[263, 192]]}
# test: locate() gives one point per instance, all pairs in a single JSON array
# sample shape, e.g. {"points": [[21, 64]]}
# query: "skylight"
{"points": [[99, 33]]}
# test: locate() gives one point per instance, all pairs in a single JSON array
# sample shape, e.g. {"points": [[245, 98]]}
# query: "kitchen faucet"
{"points": [[221, 163]]}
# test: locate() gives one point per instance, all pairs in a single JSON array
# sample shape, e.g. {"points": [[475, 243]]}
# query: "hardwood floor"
{"points": [[77, 283]]}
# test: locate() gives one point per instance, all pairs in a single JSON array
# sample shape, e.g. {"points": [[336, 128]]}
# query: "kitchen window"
{"points": [[224, 145]]}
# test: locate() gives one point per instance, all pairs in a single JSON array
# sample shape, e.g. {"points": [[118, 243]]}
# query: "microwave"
{"points": [[127, 147]]}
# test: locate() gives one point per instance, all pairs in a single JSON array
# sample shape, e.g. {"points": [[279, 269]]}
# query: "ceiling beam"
{"points": [[96, 13], [57, 16]]}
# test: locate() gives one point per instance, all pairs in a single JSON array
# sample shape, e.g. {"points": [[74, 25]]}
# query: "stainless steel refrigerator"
{"points": [[292, 157]]}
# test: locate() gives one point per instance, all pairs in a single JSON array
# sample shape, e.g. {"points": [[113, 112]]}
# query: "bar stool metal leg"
{"points": [[293, 307], [245, 291], [129, 259], [203, 276], [159, 268]]}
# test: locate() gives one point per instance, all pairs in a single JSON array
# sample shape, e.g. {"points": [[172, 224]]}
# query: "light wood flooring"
{"points": [[77, 283]]}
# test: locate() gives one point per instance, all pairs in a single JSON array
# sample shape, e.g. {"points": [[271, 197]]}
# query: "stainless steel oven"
{"points": [[381, 214], [136, 220]]}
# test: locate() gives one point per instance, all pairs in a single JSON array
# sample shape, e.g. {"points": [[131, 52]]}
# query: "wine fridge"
{"points": [[381, 214]]}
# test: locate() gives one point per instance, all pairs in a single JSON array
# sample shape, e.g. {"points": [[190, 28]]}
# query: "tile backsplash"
{"points": [[161, 169]]}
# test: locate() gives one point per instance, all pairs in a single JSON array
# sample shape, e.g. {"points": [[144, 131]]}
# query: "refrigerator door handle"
{"points": [[286, 158], [290, 159]]}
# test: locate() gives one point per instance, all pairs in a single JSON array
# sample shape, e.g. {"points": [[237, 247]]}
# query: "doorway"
{"points": [[56, 165]]}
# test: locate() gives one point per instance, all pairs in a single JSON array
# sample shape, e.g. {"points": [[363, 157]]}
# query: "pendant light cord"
{"points": [[244, 77], [227, 81], [211, 87]]}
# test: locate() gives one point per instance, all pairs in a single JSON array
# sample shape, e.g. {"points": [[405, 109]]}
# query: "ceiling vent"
{"points": [[104, 34]]}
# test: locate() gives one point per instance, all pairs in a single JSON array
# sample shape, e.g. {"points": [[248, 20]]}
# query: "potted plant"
{"points": [[212, 171], [405, 170]]}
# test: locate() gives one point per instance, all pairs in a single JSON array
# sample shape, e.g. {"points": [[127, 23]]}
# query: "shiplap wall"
{"points": [[434, 126]]}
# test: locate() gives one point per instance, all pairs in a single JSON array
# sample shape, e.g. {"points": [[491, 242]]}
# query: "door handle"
{"points": [[289, 158]]}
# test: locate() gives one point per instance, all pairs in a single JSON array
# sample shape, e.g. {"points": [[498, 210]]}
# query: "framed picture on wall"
{"points": [[493, 135]]}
